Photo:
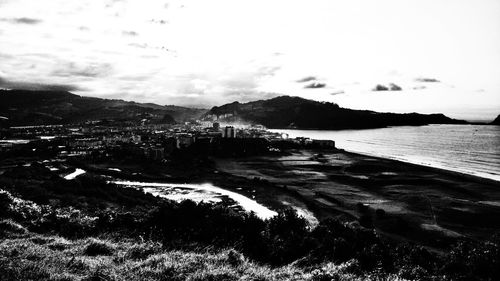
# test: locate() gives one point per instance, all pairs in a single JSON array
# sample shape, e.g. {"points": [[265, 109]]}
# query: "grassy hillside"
{"points": [[35, 257]]}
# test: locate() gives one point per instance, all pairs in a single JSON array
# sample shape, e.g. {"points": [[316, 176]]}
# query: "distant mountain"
{"points": [[294, 112], [496, 121], [21, 107]]}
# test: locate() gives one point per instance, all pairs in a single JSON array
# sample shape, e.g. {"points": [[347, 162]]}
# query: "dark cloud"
{"points": [[391, 87], [22, 85], [394, 87], [380, 88], [21, 20], [315, 85], [306, 79], [129, 33], [427, 80]]}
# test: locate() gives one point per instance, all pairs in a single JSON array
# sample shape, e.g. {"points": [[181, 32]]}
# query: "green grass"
{"points": [[37, 257]]}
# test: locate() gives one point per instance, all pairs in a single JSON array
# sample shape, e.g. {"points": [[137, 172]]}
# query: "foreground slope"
{"points": [[37, 257], [294, 112], [22, 107]]}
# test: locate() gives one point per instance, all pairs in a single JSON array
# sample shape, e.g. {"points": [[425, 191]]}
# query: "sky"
{"points": [[386, 55]]}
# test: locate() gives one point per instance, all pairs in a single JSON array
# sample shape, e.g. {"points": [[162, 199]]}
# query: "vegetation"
{"points": [[87, 229], [35, 257]]}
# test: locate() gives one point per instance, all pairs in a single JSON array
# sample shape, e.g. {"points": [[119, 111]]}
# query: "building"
{"points": [[154, 153], [229, 132], [184, 141], [324, 143], [216, 126]]}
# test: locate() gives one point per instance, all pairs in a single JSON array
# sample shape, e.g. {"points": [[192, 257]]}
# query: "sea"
{"points": [[468, 149]]}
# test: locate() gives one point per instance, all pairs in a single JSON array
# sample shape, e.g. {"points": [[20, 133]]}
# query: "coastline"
{"points": [[466, 149], [392, 196], [396, 197], [430, 167]]}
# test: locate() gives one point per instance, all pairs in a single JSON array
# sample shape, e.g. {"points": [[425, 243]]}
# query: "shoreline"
{"points": [[396, 196], [478, 141], [430, 167]]}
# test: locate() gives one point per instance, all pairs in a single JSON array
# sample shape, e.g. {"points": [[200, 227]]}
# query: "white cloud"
{"points": [[210, 52]]}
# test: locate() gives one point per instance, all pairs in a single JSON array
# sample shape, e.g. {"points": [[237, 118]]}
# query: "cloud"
{"points": [[419, 87], [268, 70], [315, 85], [390, 87], [88, 70], [427, 80], [137, 45], [159, 21], [22, 20], [394, 87], [129, 33], [340, 92], [306, 79], [22, 85]]}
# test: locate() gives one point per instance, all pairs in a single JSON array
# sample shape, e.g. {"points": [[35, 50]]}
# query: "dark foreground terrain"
{"points": [[363, 219]]}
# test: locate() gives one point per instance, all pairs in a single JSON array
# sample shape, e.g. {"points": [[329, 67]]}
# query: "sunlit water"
{"points": [[75, 174], [200, 192], [469, 149]]}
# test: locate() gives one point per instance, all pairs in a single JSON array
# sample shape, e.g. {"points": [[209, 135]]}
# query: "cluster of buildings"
{"points": [[152, 142]]}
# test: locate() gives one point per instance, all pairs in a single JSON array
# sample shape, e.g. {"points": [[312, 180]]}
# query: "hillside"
{"points": [[496, 121], [41, 257], [23, 107], [294, 112]]}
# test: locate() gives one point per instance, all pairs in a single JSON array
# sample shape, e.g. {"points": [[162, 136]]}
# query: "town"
{"points": [[153, 142]]}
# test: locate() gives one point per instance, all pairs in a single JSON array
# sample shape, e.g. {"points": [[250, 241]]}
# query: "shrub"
{"points": [[366, 220], [100, 275], [5, 203], [9, 226], [142, 251], [234, 258], [380, 213], [98, 248]]}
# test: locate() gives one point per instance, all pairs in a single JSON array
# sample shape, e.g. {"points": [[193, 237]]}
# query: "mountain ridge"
{"points": [[496, 121], [294, 112], [24, 107]]}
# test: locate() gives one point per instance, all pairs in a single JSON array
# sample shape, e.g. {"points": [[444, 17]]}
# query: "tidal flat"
{"points": [[401, 200]]}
